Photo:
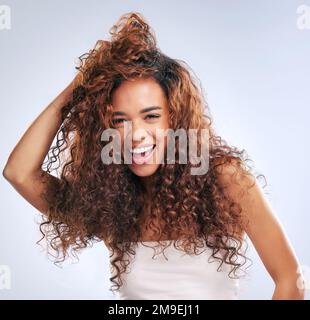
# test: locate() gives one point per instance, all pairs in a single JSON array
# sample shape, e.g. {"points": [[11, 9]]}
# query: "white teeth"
{"points": [[140, 150]]}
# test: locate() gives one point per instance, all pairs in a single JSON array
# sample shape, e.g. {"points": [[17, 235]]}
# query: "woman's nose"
{"points": [[138, 131], [139, 135]]}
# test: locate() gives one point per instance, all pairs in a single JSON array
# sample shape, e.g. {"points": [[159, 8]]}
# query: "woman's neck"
{"points": [[147, 183]]}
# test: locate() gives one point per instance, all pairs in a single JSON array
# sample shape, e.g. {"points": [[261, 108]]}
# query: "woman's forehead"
{"points": [[139, 93]]}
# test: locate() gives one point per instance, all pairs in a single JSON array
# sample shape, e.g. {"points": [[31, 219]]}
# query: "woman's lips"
{"points": [[142, 146], [142, 158]]}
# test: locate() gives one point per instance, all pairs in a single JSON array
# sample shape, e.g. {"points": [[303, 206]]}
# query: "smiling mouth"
{"points": [[142, 157]]}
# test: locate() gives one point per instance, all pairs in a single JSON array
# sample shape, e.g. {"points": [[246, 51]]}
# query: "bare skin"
{"points": [[23, 170], [143, 104], [266, 234], [23, 167]]}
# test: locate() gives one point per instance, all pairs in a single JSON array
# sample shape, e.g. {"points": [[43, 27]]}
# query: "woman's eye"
{"points": [[121, 120], [116, 121], [153, 116]]}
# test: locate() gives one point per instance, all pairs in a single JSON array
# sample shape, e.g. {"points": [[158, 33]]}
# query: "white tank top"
{"points": [[174, 274]]}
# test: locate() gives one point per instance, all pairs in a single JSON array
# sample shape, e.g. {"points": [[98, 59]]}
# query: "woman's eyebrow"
{"points": [[148, 109]]}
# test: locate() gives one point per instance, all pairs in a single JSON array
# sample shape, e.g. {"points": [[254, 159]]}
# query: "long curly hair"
{"points": [[92, 201]]}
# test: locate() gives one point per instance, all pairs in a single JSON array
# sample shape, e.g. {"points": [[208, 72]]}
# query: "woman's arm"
{"points": [[23, 167], [266, 233]]}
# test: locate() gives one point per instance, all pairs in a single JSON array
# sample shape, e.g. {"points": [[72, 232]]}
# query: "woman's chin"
{"points": [[143, 170]]}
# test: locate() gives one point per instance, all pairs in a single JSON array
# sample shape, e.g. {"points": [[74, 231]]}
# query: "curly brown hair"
{"points": [[92, 201]]}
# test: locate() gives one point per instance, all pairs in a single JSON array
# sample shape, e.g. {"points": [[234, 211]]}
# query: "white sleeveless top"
{"points": [[174, 274]]}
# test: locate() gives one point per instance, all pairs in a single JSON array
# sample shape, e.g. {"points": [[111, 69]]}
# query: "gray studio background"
{"points": [[252, 58]]}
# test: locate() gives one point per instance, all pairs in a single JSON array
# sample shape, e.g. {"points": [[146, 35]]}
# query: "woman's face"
{"points": [[142, 106]]}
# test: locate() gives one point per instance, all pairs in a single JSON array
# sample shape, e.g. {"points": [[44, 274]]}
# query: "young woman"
{"points": [[129, 86]]}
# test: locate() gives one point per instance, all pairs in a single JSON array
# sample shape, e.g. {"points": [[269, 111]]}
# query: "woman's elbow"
{"points": [[11, 175], [290, 289]]}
